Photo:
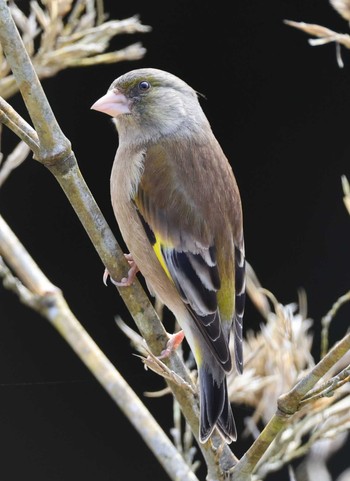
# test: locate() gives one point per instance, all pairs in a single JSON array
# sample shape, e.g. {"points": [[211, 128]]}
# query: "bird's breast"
{"points": [[124, 181], [125, 178]]}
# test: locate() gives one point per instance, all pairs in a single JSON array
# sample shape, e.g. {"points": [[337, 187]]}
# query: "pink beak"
{"points": [[113, 103]]}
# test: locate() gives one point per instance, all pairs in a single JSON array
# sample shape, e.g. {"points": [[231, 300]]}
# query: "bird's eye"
{"points": [[144, 85]]}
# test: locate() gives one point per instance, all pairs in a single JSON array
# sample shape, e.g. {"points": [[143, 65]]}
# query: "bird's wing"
{"points": [[176, 225]]}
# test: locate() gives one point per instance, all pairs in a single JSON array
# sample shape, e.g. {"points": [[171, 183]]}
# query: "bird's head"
{"points": [[151, 103]]}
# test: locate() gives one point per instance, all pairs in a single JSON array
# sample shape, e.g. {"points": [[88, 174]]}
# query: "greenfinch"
{"points": [[178, 207]]}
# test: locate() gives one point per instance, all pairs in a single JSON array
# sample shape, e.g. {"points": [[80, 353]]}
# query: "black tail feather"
{"points": [[215, 407], [226, 423]]}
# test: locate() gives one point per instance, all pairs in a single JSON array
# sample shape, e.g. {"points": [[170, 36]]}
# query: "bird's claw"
{"points": [[173, 343], [105, 277], [125, 281]]}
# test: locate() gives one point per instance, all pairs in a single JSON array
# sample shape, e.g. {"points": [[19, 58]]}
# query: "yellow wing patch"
{"points": [[198, 354], [226, 301], [158, 252]]}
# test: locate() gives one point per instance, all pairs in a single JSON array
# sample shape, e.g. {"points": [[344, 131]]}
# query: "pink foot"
{"points": [[126, 281], [174, 342]]}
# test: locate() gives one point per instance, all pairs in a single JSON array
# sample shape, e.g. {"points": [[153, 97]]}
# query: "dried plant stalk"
{"points": [[69, 34], [342, 7]]}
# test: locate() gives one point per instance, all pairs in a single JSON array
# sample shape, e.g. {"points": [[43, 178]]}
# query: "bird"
{"points": [[179, 211]]}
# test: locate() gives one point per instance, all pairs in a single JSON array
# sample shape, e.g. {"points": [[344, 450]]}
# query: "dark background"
{"points": [[280, 109]]}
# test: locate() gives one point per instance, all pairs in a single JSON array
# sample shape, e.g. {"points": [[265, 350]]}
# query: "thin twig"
{"points": [[327, 389], [12, 120], [327, 319], [22, 263], [13, 160]]}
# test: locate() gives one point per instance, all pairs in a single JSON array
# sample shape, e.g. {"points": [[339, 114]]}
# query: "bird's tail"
{"points": [[215, 409]]}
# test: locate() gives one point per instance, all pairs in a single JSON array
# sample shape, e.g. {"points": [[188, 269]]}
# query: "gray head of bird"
{"points": [[147, 104]]}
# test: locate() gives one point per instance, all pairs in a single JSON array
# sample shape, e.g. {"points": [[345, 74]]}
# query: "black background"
{"points": [[279, 108]]}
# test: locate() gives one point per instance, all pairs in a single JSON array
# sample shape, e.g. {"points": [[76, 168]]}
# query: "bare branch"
{"points": [[14, 160], [40, 294], [327, 389], [10, 118], [289, 403], [21, 262]]}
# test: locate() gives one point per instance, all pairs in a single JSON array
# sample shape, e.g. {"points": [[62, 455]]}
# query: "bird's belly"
{"points": [[140, 248], [143, 254]]}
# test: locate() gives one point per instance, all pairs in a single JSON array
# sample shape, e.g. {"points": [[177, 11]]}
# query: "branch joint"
{"points": [[59, 163]]}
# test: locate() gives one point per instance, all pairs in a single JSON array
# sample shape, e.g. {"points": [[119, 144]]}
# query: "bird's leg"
{"points": [[126, 281], [173, 343]]}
